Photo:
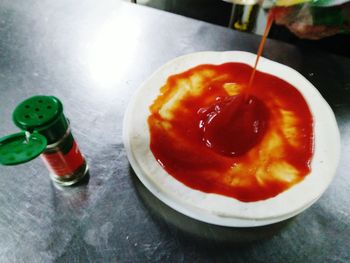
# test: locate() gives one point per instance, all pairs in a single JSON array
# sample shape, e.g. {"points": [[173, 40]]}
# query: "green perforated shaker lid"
{"points": [[20, 148], [42, 122], [37, 112]]}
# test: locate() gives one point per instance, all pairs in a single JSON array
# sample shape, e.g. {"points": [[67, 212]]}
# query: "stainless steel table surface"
{"points": [[93, 55]]}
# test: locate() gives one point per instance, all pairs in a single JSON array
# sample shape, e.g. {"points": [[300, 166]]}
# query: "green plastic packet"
{"points": [[331, 13], [314, 3]]}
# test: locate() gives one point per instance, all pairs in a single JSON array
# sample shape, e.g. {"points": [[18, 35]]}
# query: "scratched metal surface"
{"points": [[93, 55]]}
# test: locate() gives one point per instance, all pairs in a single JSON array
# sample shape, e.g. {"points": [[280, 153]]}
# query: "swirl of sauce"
{"points": [[207, 133], [233, 124]]}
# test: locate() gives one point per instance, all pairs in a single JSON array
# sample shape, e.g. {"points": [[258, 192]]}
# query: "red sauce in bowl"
{"points": [[211, 136], [232, 125]]}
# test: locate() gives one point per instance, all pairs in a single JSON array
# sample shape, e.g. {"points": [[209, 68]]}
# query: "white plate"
{"points": [[218, 209]]}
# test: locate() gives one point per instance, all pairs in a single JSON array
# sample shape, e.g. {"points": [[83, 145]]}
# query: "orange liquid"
{"points": [[270, 19], [242, 116]]}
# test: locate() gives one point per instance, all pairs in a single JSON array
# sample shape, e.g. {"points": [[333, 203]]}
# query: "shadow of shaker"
{"points": [[202, 230]]}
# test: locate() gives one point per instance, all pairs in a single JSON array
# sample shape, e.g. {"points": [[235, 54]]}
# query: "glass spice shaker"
{"points": [[45, 132]]}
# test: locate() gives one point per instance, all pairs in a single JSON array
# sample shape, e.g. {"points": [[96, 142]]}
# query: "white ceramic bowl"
{"points": [[218, 209]]}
